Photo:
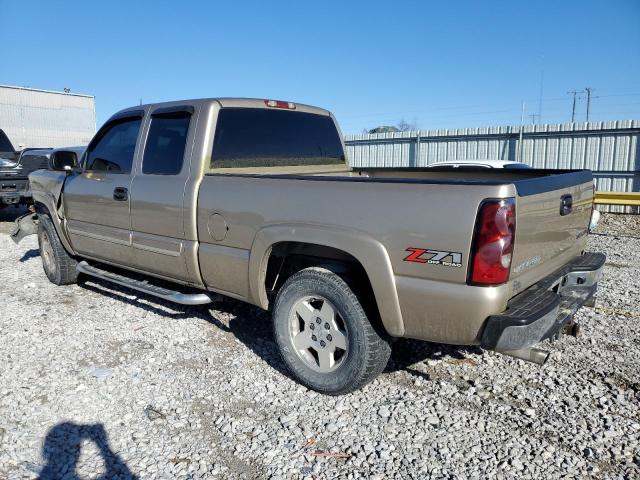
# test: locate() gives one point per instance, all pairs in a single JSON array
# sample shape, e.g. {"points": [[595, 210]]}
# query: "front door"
{"points": [[97, 201]]}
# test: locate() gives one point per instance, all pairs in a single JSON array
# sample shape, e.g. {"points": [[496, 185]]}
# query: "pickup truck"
{"points": [[14, 181], [254, 199]]}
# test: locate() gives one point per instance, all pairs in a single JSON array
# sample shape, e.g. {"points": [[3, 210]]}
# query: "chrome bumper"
{"points": [[544, 309]]}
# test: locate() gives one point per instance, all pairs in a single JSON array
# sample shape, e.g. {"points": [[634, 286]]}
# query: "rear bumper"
{"points": [[15, 198], [544, 309], [14, 191]]}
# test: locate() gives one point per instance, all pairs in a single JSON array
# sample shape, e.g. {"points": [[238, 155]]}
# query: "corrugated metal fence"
{"points": [[611, 149]]}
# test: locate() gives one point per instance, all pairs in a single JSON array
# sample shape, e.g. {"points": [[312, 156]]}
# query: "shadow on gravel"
{"points": [[408, 352], [61, 451], [33, 253], [249, 324], [252, 326], [171, 310]]}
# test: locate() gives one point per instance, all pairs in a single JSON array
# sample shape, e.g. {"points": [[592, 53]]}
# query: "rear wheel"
{"points": [[59, 266], [324, 335]]}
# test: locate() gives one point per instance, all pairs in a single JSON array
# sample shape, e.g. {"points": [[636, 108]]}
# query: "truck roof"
{"points": [[225, 102]]}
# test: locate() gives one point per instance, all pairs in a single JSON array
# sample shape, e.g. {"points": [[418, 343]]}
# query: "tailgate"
{"points": [[13, 184], [545, 239]]}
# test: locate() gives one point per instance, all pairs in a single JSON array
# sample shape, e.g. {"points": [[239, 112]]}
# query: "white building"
{"points": [[41, 118]]}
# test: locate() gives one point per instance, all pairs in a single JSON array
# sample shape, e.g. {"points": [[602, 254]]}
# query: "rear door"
{"points": [[96, 201], [551, 229], [249, 141], [157, 194]]}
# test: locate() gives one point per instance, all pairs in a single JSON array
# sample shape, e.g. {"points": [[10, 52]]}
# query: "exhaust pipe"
{"points": [[572, 328], [531, 354]]}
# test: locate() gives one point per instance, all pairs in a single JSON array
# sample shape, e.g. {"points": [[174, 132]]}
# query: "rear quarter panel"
{"points": [[434, 300]]}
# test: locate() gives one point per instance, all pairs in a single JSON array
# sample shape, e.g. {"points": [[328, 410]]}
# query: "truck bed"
{"points": [[398, 209]]}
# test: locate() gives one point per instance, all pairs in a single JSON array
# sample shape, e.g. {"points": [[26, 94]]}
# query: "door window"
{"points": [[113, 152], [164, 151]]}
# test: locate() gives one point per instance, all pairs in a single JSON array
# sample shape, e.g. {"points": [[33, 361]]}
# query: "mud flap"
{"points": [[24, 226]]}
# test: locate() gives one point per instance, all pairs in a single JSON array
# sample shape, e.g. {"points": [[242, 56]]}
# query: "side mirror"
{"points": [[64, 160]]}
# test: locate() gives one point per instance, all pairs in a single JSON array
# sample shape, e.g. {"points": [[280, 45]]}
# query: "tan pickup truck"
{"points": [[254, 199]]}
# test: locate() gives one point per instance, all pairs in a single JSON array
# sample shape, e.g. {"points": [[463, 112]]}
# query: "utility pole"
{"points": [[520, 136], [533, 118], [540, 98], [573, 107], [588, 90]]}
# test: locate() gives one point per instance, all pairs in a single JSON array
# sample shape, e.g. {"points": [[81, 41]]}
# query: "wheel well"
{"points": [[41, 208], [287, 258]]}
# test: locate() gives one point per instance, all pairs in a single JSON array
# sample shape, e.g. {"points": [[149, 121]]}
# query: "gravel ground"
{"points": [[99, 382]]}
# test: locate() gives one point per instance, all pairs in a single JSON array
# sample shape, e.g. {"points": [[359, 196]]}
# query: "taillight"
{"points": [[280, 104], [492, 246]]}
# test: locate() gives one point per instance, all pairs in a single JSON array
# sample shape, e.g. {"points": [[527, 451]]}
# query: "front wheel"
{"points": [[59, 266], [324, 335]]}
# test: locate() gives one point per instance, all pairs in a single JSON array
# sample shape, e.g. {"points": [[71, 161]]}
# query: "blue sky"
{"points": [[437, 64]]}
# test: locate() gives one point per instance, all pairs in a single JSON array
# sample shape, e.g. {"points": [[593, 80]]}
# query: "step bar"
{"points": [[144, 286]]}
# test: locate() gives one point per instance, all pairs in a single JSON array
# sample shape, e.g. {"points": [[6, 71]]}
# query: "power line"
{"points": [[619, 95], [472, 106], [443, 114]]}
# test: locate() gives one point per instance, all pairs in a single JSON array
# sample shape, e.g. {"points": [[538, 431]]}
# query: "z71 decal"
{"points": [[434, 257]]}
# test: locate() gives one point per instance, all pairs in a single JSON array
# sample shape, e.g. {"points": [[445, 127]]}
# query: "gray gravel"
{"points": [[96, 380], [613, 224]]}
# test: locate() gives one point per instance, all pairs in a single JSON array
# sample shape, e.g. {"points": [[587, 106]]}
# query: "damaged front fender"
{"points": [[24, 226]]}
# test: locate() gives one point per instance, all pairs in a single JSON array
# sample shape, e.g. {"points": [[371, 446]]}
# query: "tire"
{"points": [[323, 334], [58, 265]]}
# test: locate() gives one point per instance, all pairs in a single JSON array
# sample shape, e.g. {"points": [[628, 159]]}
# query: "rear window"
{"points": [[258, 137], [34, 162]]}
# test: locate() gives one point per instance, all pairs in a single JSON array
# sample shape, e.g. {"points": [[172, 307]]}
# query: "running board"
{"points": [[144, 286]]}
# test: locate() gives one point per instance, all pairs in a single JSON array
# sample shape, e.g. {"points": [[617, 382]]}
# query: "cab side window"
{"points": [[166, 142], [113, 152]]}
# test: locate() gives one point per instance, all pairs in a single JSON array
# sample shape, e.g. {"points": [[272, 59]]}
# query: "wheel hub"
{"points": [[318, 333]]}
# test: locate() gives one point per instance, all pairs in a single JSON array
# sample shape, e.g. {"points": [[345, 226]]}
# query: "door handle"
{"points": [[120, 194]]}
